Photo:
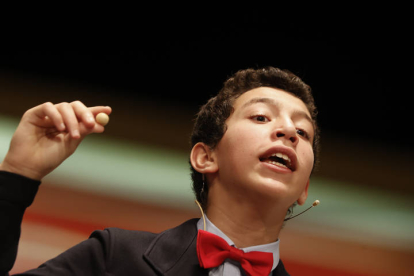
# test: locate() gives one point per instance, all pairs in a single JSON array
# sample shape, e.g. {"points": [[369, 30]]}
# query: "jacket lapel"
{"points": [[173, 252], [280, 270]]}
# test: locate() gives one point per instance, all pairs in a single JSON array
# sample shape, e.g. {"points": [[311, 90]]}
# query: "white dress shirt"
{"points": [[230, 267]]}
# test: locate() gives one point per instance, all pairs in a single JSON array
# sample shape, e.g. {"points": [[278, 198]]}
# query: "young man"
{"points": [[253, 150]]}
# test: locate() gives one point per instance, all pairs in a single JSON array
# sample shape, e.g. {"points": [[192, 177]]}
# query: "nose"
{"points": [[287, 130]]}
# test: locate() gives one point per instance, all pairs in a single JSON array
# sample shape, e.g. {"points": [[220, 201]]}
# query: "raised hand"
{"points": [[48, 134]]}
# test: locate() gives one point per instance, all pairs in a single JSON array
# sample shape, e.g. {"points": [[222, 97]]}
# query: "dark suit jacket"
{"points": [[111, 251]]}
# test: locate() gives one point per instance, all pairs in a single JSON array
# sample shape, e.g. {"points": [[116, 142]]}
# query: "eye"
{"points": [[303, 133], [260, 118]]}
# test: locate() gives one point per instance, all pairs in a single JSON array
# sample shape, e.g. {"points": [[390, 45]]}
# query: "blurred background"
{"points": [[156, 71]]}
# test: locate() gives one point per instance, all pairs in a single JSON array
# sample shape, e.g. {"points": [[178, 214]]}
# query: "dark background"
{"points": [[357, 66]]}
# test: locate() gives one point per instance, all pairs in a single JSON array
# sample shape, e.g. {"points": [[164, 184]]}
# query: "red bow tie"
{"points": [[213, 250]]}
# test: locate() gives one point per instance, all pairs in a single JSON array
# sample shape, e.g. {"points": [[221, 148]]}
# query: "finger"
{"points": [[96, 110], [97, 128], [49, 111], [100, 109], [70, 119], [83, 114]]}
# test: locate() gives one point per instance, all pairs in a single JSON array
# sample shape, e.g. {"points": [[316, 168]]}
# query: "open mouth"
{"points": [[279, 159]]}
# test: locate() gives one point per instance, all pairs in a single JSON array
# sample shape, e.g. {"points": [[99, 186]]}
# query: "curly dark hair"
{"points": [[210, 123]]}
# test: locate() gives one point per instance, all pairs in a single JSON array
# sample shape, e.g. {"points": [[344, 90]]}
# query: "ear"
{"points": [[202, 159], [304, 195]]}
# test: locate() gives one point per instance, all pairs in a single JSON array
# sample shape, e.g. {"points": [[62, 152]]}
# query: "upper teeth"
{"points": [[281, 155]]}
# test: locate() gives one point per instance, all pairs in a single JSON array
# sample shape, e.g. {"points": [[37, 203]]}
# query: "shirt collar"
{"points": [[270, 247]]}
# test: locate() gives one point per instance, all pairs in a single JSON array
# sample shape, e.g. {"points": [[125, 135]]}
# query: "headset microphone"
{"points": [[315, 203]]}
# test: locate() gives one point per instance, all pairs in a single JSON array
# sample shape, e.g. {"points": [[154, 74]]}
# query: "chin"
{"points": [[280, 191], [273, 188]]}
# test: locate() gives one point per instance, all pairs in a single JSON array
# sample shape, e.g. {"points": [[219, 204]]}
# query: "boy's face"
{"points": [[267, 126]]}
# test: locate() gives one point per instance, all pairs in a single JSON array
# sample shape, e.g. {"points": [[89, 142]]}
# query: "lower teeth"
{"points": [[277, 164]]}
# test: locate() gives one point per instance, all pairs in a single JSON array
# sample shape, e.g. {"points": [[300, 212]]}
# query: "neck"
{"points": [[245, 222]]}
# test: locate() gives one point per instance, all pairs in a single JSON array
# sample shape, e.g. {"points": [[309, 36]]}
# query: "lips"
{"points": [[280, 156]]}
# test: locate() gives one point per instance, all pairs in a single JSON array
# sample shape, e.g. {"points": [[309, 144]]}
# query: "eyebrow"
{"points": [[277, 104]]}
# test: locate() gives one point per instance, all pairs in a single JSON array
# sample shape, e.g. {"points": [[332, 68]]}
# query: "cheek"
{"points": [[307, 158], [238, 145]]}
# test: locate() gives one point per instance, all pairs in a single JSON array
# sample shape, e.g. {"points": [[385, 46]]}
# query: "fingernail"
{"points": [[89, 118], [75, 133], [62, 127]]}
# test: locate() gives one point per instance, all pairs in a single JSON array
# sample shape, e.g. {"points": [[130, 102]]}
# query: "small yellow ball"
{"points": [[102, 119]]}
